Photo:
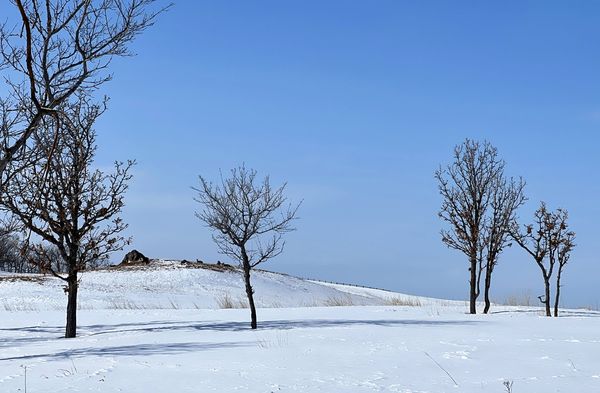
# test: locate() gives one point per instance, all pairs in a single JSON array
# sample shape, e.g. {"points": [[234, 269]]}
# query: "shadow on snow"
{"points": [[49, 334], [132, 350]]}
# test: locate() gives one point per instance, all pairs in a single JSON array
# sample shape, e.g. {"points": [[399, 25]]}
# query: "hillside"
{"points": [[172, 284]]}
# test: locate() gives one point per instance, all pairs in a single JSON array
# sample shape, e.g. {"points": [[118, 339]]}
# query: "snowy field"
{"points": [[142, 344]]}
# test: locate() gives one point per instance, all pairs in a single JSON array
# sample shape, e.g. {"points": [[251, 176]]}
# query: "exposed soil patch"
{"points": [[158, 264], [39, 279], [219, 266]]}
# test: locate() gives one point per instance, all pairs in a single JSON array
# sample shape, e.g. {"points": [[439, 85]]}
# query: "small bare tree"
{"points": [[467, 188], [58, 48], [249, 218], [60, 199], [550, 242]]}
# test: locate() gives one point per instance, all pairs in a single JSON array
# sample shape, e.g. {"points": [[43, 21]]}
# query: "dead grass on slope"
{"points": [[402, 301], [38, 279]]}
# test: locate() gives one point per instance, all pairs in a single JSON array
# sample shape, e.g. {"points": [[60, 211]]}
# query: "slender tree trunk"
{"points": [[249, 290], [71, 329], [557, 297], [473, 283], [486, 292], [250, 294], [547, 299]]}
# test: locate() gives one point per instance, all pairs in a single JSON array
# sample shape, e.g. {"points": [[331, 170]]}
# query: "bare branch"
{"points": [[66, 48]]}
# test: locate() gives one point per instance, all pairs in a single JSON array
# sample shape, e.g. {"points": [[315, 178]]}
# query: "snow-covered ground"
{"points": [[173, 338]]}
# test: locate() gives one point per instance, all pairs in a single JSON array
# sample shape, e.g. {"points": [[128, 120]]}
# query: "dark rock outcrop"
{"points": [[134, 257]]}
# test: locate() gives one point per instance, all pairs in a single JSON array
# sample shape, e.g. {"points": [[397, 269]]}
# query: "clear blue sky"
{"points": [[355, 104]]}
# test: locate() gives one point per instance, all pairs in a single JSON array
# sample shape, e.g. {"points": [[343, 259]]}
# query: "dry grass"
{"points": [[310, 303], [279, 340], [338, 301], [38, 279], [227, 301], [22, 306], [124, 304], [522, 299], [594, 307], [402, 301], [276, 304]]}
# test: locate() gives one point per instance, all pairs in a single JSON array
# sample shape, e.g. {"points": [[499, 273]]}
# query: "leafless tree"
{"points": [[59, 198], [56, 49], [549, 241], [249, 219], [506, 197], [467, 187]]}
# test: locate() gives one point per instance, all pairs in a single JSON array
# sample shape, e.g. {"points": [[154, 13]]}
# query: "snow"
{"points": [[173, 338]]}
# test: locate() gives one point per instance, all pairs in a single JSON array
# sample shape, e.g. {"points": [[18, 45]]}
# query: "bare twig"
{"points": [[443, 369]]}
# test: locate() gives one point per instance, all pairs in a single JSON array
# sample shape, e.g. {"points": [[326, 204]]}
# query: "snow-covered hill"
{"points": [[173, 285]]}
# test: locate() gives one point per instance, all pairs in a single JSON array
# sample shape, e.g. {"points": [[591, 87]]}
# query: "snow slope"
{"points": [[169, 284]]}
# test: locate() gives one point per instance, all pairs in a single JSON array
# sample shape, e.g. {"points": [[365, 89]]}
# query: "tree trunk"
{"points": [[473, 283], [557, 297], [71, 329], [249, 290], [547, 299], [250, 294], [486, 292]]}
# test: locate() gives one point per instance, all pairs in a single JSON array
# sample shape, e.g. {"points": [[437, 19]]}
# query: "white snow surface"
{"points": [[160, 330]]}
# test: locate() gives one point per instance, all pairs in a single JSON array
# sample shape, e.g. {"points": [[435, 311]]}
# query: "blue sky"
{"points": [[355, 104]]}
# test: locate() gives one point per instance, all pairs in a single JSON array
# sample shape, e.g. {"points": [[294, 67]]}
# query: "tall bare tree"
{"points": [[249, 218], [506, 197], [58, 48], [467, 189], [549, 241], [59, 198]]}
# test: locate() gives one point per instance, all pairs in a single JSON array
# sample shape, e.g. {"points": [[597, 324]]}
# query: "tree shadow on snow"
{"points": [[50, 332], [131, 350], [275, 325]]}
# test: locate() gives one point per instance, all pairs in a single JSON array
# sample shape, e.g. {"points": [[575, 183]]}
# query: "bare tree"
{"points": [[467, 188], [549, 241], [61, 200], [249, 218], [58, 48], [506, 197]]}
